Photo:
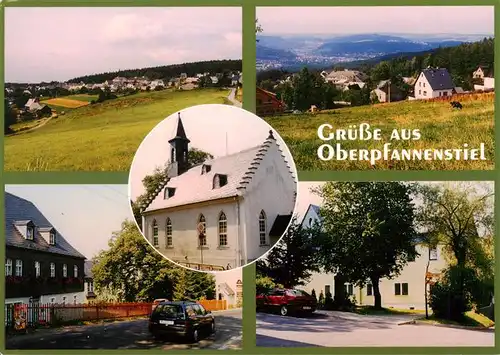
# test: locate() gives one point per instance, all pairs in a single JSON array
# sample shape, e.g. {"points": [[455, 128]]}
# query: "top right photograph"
{"points": [[379, 88]]}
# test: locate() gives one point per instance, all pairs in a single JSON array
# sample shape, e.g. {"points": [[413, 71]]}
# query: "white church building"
{"points": [[223, 213]]}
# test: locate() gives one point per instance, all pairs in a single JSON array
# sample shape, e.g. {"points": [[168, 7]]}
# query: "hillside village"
{"points": [[432, 82], [28, 99]]}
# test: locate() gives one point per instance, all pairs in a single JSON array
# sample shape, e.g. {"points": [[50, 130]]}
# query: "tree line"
{"points": [[369, 231], [165, 72]]}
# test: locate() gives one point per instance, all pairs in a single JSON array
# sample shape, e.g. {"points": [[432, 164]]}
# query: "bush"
{"points": [[452, 296], [264, 284], [329, 304], [313, 293], [321, 300]]}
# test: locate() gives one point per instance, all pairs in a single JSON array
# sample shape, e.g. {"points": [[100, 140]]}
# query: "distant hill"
{"points": [[165, 72], [274, 53], [378, 44]]}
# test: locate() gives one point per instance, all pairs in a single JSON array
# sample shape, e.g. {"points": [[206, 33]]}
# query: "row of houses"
{"points": [[42, 267], [183, 81]]}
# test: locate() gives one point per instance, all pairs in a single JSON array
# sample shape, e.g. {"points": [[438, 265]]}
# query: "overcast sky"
{"points": [[208, 127], [85, 215], [51, 43], [395, 19]]}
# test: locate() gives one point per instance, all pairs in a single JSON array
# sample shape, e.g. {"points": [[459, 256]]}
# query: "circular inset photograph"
{"points": [[213, 187]]}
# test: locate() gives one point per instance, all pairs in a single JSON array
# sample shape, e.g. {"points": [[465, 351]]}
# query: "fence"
{"points": [[22, 316]]}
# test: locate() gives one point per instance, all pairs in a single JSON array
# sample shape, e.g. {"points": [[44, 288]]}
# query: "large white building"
{"points": [[224, 213], [432, 83], [406, 291]]}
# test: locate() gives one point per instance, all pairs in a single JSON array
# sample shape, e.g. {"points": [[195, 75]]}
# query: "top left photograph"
{"points": [[84, 86]]}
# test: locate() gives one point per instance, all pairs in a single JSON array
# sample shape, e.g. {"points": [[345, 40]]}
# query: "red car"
{"points": [[286, 301]]}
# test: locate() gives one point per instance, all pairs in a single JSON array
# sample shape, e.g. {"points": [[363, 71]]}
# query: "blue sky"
{"points": [[377, 19], [86, 215], [56, 43]]}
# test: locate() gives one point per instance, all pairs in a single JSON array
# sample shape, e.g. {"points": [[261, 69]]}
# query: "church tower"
{"points": [[178, 151]]}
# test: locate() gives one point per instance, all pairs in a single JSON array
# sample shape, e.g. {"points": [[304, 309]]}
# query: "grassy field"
{"points": [[441, 127], [100, 137]]}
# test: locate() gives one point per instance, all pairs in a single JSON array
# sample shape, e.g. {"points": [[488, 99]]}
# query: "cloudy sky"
{"points": [[45, 44], [85, 215], [216, 129], [357, 19]]}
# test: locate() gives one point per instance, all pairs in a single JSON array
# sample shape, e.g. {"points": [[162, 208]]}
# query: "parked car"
{"points": [[286, 301], [181, 318]]}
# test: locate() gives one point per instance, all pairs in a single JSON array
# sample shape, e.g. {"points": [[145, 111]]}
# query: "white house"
{"points": [[229, 287], [406, 291], [224, 213], [432, 83]]}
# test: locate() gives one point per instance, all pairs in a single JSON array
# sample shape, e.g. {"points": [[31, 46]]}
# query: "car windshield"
{"points": [[297, 293], [169, 310]]}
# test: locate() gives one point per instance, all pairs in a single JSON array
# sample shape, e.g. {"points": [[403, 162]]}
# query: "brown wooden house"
{"points": [[267, 104], [40, 265]]}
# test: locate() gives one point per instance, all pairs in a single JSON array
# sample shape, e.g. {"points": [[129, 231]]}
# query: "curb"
{"points": [[477, 329]]}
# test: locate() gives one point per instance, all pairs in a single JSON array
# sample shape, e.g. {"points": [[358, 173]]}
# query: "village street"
{"points": [[340, 329], [129, 335]]}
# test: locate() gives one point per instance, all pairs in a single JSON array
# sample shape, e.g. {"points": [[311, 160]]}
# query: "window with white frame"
{"points": [[433, 254], [168, 230], [52, 238], [262, 228], [222, 230], [37, 269], [401, 289], [8, 267], [155, 233], [369, 290], [349, 289], [19, 267], [52, 270], [65, 270], [202, 240], [30, 233], [75, 271]]}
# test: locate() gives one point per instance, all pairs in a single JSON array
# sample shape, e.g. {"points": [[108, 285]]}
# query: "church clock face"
{"points": [[212, 188]]}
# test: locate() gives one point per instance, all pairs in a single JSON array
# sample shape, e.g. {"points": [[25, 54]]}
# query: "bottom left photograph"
{"points": [[79, 275]]}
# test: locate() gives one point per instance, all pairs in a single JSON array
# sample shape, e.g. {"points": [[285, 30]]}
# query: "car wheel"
{"points": [[194, 336], [284, 310], [212, 328]]}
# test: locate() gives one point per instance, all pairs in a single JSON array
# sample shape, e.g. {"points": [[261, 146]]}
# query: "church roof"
{"points": [[197, 184], [279, 225], [180, 133]]}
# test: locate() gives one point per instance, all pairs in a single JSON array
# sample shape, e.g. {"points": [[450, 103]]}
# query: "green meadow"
{"points": [[441, 127], [99, 137]]}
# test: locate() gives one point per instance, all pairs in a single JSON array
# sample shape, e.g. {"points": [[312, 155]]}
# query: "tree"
{"points": [[292, 261], [453, 216], [373, 221], [9, 116], [133, 272], [192, 285], [159, 175], [258, 28]]}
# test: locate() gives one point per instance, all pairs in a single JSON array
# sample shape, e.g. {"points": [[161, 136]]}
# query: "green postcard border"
{"points": [[249, 75]]}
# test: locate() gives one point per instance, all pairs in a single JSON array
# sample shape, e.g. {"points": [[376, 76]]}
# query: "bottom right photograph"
{"points": [[388, 264]]}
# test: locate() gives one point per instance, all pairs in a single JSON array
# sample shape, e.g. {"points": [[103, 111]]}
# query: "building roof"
{"points": [[19, 211], [180, 133], [194, 186], [438, 78], [280, 224]]}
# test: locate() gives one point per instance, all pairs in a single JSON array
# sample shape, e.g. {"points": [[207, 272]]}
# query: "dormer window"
{"points": [[52, 238], [30, 232], [205, 169], [169, 192], [220, 180]]}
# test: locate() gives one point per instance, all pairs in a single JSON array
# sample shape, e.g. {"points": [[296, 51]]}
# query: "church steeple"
{"points": [[179, 147]]}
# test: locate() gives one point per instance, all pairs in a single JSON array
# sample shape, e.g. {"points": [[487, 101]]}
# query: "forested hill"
{"points": [[166, 72], [461, 61]]}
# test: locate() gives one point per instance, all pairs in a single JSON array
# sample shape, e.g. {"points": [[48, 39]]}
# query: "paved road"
{"points": [[129, 335], [232, 98], [335, 330]]}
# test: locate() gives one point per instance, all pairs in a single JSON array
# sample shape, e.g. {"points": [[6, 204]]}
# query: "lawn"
{"points": [[471, 319], [441, 127], [370, 310], [100, 137]]}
